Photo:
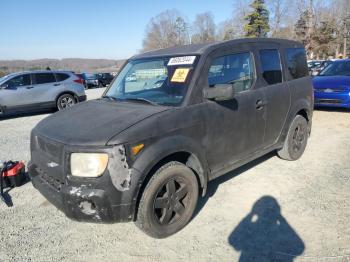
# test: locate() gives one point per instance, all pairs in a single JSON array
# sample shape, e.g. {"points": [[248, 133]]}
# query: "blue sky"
{"points": [[32, 29]]}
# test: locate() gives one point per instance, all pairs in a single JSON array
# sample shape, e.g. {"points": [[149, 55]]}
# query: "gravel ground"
{"points": [[293, 211]]}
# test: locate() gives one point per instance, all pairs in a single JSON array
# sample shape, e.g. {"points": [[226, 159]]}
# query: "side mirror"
{"points": [[10, 86], [4, 86], [220, 92]]}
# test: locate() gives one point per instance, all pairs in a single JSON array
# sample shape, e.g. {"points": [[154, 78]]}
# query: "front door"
{"points": [[15, 93], [235, 128]]}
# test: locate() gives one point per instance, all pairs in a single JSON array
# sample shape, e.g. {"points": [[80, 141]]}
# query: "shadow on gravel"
{"points": [[214, 184], [6, 197], [265, 235], [27, 114]]}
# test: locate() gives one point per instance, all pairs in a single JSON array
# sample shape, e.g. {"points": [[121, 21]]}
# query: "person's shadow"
{"points": [[265, 235]]}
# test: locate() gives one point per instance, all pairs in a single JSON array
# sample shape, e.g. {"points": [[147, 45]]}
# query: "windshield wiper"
{"points": [[140, 99], [110, 98]]}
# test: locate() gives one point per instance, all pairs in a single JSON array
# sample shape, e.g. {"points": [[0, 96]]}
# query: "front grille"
{"points": [[52, 149], [329, 90], [328, 101], [48, 155], [51, 181]]}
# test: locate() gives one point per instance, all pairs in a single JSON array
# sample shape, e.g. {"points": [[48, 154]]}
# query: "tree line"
{"points": [[323, 26]]}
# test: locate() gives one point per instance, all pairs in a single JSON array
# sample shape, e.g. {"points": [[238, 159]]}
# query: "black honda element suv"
{"points": [[172, 120]]}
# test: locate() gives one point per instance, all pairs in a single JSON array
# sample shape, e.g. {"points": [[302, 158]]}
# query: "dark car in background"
{"points": [[104, 79], [90, 80], [332, 85]]}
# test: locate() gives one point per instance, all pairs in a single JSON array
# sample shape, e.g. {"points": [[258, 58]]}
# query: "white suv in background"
{"points": [[38, 90]]}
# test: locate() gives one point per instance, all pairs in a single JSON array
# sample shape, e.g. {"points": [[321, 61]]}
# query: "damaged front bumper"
{"points": [[108, 198], [84, 199]]}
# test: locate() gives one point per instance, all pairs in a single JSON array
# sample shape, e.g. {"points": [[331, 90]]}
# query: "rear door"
{"points": [[235, 127], [277, 92], [16, 91], [44, 87]]}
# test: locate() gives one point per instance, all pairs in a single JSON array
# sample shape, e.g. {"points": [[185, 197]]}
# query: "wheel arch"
{"points": [[180, 149], [69, 93], [302, 108]]}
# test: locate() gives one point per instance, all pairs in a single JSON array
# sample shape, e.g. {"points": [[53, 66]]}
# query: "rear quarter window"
{"points": [[61, 77], [44, 78], [296, 62], [271, 66]]}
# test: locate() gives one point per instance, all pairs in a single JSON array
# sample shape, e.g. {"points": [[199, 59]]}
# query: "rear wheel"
{"points": [[65, 101], [296, 140], [168, 201]]}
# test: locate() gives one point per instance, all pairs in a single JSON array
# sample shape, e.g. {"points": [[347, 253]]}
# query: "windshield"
{"points": [[337, 69], [161, 81], [4, 78]]}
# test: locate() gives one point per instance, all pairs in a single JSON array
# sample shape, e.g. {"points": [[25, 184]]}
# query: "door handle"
{"points": [[57, 84], [260, 104], [30, 87]]}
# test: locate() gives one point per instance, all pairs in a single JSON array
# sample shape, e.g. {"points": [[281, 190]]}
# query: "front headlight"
{"points": [[88, 164]]}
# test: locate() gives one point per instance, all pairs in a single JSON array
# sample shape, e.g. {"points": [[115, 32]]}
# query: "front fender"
{"points": [[157, 151]]}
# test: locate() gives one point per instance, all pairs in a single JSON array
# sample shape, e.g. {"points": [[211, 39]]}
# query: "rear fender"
{"points": [[301, 105]]}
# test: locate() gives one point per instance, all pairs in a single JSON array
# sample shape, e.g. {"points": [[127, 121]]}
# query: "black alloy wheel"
{"points": [[168, 200], [171, 201], [296, 140]]}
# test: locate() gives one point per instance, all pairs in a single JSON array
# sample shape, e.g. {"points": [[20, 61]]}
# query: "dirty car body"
{"points": [[175, 115]]}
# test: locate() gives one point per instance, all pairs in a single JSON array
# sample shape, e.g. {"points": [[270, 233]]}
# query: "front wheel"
{"points": [[296, 140], [168, 201], [65, 101]]}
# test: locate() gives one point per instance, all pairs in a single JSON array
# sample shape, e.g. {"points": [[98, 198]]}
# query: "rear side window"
{"points": [[44, 78], [296, 62], [236, 69], [18, 81], [271, 66], [61, 77]]}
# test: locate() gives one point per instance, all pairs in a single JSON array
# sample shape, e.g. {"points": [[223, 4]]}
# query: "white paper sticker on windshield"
{"points": [[181, 60]]}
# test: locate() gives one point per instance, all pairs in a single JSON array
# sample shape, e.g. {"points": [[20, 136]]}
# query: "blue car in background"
{"points": [[332, 85]]}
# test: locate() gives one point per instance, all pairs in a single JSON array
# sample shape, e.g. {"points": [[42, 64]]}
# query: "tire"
{"points": [[65, 101], [168, 201], [100, 85], [296, 140]]}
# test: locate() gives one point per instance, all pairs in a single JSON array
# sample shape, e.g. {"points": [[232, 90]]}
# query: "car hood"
{"points": [[94, 122], [339, 82]]}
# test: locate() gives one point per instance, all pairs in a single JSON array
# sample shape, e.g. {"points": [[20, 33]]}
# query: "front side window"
{"points": [[341, 68], [44, 78], [236, 69], [296, 62], [162, 81], [271, 66], [18, 81]]}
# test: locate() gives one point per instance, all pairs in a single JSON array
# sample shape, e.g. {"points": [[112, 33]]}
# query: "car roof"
{"points": [[341, 60], [200, 49], [38, 71]]}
